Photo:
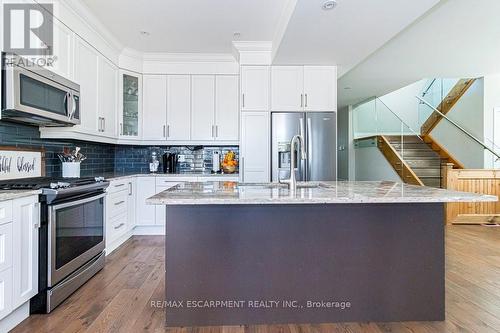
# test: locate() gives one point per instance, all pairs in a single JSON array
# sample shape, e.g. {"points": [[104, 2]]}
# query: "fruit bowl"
{"points": [[229, 168]]}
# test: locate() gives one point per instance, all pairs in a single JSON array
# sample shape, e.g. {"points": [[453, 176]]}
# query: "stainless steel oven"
{"points": [[35, 95], [76, 235]]}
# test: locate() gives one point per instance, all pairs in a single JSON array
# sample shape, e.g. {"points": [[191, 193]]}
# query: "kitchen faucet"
{"points": [[292, 181]]}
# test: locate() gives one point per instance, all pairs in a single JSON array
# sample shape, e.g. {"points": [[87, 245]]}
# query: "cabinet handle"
{"points": [[98, 124], [121, 128], [301, 100], [103, 124], [168, 131], [119, 203], [119, 226], [164, 131], [119, 185], [306, 101], [216, 131], [129, 188], [243, 100]]}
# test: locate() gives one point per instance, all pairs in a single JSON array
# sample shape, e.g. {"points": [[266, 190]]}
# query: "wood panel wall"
{"points": [[485, 181]]}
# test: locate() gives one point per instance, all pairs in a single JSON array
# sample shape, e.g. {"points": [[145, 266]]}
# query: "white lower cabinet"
{"points": [[145, 189], [120, 212], [19, 224], [5, 292], [26, 216]]}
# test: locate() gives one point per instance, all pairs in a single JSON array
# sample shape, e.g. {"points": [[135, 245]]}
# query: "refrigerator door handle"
{"points": [[302, 163], [309, 145]]}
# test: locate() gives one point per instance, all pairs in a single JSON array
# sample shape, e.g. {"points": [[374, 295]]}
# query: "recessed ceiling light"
{"points": [[144, 33], [329, 4]]}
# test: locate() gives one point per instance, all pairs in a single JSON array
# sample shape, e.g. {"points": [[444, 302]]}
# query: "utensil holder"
{"points": [[71, 169]]}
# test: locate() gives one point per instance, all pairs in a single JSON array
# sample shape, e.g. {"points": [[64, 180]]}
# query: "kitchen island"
{"points": [[330, 252]]}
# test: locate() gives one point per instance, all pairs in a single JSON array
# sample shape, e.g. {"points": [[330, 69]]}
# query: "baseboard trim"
{"points": [[141, 230], [15, 317]]}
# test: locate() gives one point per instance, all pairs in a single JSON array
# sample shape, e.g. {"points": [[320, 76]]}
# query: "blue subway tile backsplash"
{"points": [[106, 158]]}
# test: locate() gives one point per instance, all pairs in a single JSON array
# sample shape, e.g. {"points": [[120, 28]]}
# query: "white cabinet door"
{"points": [[287, 84], [145, 189], [203, 107], [25, 260], [6, 246], [63, 40], [108, 98], [5, 292], [130, 105], [255, 88], [320, 88], [178, 107], [226, 108], [255, 142], [161, 216], [131, 203], [87, 76], [155, 107]]}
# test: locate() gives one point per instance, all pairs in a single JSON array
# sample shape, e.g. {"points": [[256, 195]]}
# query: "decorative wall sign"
{"points": [[21, 163]]}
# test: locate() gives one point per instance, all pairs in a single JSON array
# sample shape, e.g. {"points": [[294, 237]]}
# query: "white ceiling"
{"points": [[457, 38], [187, 26], [347, 34]]}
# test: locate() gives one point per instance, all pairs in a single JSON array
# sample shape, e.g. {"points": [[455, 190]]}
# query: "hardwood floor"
{"points": [[118, 299]]}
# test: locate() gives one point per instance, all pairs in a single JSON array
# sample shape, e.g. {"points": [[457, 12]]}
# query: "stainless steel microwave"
{"points": [[34, 95]]}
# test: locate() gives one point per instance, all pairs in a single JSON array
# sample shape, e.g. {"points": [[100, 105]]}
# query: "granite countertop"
{"points": [[124, 175], [328, 192], [16, 194]]}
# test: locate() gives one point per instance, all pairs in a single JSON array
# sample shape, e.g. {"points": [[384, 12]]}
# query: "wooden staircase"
{"points": [[417, 162], [446, 104]]}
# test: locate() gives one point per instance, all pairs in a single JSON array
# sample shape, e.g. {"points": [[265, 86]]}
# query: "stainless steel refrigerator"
{"points": [[319, 130]]}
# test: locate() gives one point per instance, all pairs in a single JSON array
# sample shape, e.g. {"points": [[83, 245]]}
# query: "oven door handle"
{"points": [[77, 202]]}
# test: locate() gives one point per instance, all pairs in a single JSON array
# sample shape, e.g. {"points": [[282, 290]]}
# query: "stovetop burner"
{"points": [[47, 182]]}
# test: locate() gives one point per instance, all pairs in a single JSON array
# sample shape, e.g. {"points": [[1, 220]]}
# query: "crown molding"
{"points": [[188, 57], [81, 10], [253, 52], [253, 46]]}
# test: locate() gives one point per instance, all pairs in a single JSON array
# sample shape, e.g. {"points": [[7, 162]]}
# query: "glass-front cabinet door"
{"points": [[131, 104]]}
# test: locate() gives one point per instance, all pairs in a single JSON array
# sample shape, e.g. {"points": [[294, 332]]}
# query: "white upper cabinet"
{"points": [[303, 88], [287, 88], [226, 108], [178, 107], [87, 76], [254, 88], [320, 88], [130, 105], [108, 98], [203, 107], [155, 107], [63, 40]]}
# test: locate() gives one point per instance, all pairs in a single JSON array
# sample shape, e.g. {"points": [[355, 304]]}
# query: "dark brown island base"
{"points": [[230, 263]]}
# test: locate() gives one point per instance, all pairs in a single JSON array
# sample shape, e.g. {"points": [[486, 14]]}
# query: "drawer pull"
{"points": [[119, 202], [120, 185], [119, 226]]}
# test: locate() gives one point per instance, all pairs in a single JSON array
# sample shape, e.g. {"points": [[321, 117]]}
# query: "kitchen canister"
{"points": [[71, 169]]}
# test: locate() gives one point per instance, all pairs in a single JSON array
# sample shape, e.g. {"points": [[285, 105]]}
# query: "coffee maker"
{"points": [[170, 162]]}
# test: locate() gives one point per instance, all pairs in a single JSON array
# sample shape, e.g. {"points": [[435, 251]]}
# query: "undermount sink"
{"points": [[284, 185]]}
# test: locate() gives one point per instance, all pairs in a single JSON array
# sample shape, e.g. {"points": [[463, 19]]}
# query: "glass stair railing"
{"points": [[473, 150], [375, 124]]}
